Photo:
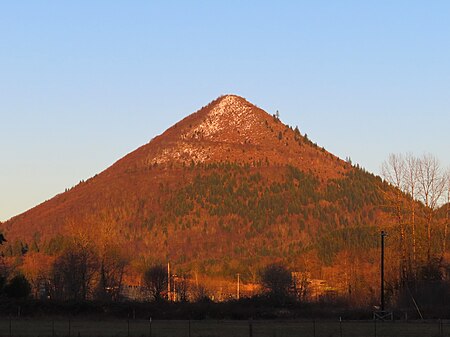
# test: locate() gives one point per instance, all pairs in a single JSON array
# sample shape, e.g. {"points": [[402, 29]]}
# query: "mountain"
{"points": [[226, 190]]}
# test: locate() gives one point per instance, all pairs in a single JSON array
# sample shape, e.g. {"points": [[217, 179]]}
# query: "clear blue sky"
{"points": [[82, 83]]}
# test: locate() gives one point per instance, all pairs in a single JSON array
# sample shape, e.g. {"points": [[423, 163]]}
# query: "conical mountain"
{"points": [[227, 189], [232, 129]]}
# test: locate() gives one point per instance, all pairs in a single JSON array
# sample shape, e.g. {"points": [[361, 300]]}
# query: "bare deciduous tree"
{"points": [[411, 181], [447, 211], [431, 187], [300, 283], [393, 171], [112, 270], [181, 288], [422, 180], [200, 293], [155, 279], [73, 274]]}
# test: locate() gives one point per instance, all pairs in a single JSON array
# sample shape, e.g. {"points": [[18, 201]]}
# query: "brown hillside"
{"points": [[229, 129], [227, 189]]}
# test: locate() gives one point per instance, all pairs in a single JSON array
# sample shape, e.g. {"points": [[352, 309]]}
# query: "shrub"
{"points": [[18, 287]]}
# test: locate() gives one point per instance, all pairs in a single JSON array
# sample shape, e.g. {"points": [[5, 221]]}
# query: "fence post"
{"points": [[340, 326], [250, 328], [150, 331]]}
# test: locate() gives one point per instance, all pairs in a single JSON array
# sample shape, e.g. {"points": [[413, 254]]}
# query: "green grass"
{"points": [[212, 328]]}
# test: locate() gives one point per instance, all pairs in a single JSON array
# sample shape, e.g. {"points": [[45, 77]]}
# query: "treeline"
{"points": [[280, 288], [419, 206], [79, 274]]}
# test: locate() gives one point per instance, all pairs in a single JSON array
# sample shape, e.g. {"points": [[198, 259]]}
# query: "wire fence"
{"points": [[223, 328]]}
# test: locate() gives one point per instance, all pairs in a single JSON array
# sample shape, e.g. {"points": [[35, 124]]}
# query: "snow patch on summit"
{"points": [[230, 120], [230, 114]]}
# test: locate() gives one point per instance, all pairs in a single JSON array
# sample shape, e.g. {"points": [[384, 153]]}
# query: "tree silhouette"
{"points": [[277, 280], [18, 287], [73, 274], [155, 278]]}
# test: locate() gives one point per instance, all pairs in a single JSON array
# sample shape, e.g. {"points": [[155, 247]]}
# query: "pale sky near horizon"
{"points": [[82, 83]]}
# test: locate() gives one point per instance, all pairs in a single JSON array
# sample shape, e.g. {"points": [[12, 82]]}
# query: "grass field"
{"points": [[211, 328]]}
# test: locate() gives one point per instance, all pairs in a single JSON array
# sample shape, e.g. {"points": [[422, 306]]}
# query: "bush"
{"points": [[18, 287], [155, 279], [277, 280]]}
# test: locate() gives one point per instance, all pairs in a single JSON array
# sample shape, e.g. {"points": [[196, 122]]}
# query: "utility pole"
{"points": [[383, 235], [168, 281], [175, 296], [238, 290]]}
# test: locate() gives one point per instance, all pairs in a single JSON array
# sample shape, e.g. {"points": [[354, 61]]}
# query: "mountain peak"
{"points": [[230, 97], [224, 119], [229, 120], [231, 129]]}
